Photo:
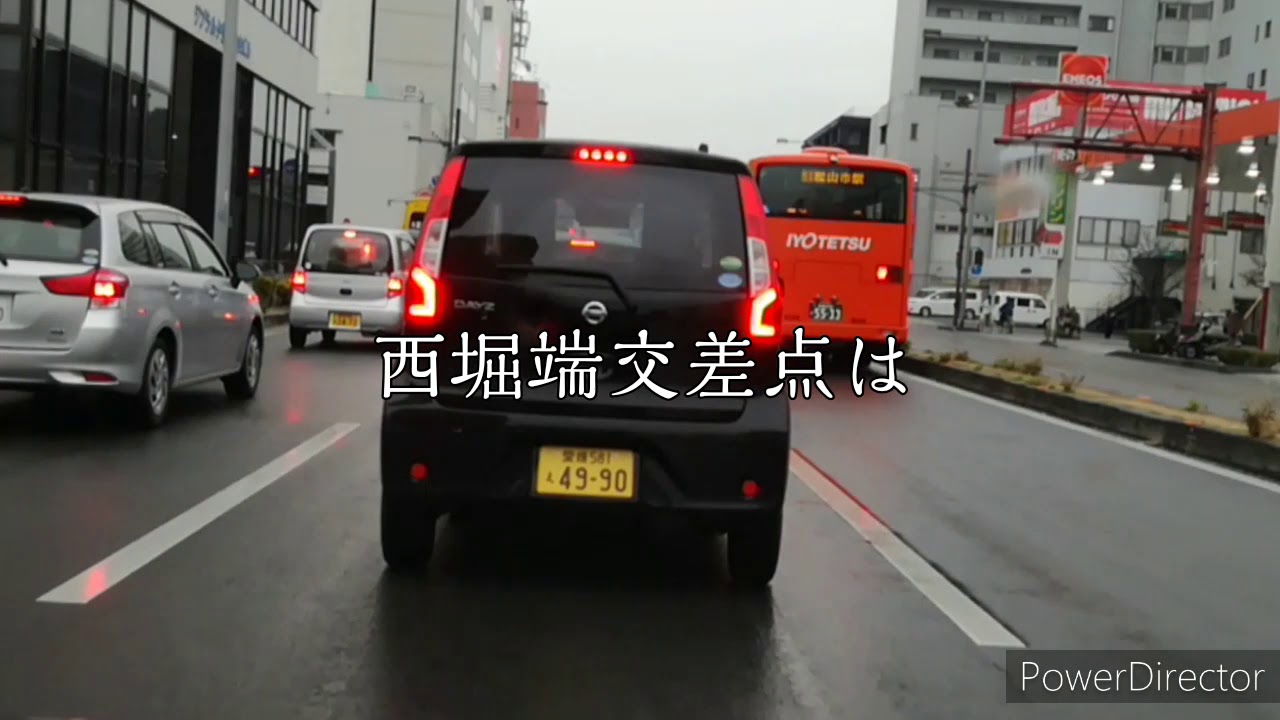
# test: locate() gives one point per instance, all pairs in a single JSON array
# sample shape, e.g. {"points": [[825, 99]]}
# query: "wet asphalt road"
{"points": [[279, 608]]}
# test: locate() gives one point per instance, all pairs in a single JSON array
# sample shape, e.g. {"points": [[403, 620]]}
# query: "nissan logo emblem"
{"points": [[595, 312]]}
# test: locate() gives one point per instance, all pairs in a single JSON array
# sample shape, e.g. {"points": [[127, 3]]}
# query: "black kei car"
{"points": [[585, 249]]}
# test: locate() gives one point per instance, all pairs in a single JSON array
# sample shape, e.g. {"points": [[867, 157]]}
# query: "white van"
{"points": [[941, 301], [1028, 308]]}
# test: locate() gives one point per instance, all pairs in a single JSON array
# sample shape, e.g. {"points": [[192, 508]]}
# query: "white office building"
{"points": [[399, 81]]}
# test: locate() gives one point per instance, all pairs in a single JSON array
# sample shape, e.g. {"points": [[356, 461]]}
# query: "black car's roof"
{"points": [[643, 154]]}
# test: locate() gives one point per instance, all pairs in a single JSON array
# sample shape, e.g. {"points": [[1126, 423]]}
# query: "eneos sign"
{"points": [[1088, 70]]}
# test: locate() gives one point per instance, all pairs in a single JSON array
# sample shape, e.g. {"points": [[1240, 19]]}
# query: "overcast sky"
{"points": [[736, 74]]}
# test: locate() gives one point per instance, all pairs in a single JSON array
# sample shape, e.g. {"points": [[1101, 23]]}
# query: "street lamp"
{"points": [[971, 170]]}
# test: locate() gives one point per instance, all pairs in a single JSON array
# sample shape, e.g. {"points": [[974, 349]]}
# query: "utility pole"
{"points": [[226, 127], [977, 155], [957, 321], [454, 111]]}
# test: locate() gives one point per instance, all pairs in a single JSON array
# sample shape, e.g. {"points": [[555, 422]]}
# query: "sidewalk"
{"points": [[1223, 395]]}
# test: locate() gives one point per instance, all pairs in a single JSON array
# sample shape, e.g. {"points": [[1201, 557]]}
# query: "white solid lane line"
{"points": [[1219, 470], [977, 623], [110, 571]]}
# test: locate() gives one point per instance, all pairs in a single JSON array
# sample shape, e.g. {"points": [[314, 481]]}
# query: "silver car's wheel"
{"points": [[150, 404], [243, 383], [158, 380]]}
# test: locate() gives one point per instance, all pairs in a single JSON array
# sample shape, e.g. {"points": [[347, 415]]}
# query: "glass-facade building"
{"points": [[105, 97]]}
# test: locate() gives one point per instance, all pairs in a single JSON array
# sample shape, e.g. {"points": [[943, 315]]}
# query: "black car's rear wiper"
{"points": [[572, 272], [4, 260]]}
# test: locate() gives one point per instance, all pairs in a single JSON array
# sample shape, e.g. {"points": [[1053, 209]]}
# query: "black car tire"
{"points": [[157, 370], [925, 312], [297, 338], [243, 383], [753, 549], [408, 533]]}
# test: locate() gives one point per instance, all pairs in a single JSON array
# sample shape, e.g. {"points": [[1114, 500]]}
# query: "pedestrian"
{"points": [[1006, 315]]}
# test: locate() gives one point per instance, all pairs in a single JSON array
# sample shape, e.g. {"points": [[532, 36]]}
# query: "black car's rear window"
{"points": [[649, 227], [348, 252], [50, 232], [834, 193]]}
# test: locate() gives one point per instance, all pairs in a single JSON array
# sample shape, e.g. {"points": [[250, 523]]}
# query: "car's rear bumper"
{"points": [[308, 312], [475, 457], [102, 347]]}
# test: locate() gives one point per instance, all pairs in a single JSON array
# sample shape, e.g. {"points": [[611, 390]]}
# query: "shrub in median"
{"points": [[1144, 341], [1247, 357]]}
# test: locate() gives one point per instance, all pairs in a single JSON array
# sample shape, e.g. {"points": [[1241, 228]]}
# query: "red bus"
{"points": [[841, 230]]}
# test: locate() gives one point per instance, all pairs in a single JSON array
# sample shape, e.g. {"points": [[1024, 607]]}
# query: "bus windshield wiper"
{"points": [[572, 272]]}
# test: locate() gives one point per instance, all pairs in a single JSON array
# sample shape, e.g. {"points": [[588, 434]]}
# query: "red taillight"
{"points": [[104, 288], [12, 200], [422, 291], [889, 274], [300, 281], [395, 287], [582, 243], [766, 299], [422, 297], [607, 156]]}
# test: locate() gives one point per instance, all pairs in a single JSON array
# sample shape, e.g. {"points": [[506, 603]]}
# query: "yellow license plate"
{"points": [[344, 321], [586, 473]]}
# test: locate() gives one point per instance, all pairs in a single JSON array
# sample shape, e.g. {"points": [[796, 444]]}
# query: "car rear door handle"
{"points": [[212, 290], [175, 289]]}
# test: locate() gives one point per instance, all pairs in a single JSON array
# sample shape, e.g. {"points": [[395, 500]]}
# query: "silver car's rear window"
{"points": [[348, 252], [50, 232]]}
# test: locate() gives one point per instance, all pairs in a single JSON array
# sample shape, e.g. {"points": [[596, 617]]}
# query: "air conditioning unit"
{"points": [[411, 92]]}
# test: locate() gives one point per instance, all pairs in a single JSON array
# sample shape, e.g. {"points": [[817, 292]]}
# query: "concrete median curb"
{"points": [[274, 318], [1236, 451]]}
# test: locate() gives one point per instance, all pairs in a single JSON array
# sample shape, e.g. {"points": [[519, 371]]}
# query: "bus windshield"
{"points": [[834, 193]]}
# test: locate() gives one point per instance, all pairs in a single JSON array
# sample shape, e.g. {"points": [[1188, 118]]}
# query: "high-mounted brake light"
{"points": [[104, 288], [582, 243], [299, 281], [606, 156], [12, 200], [422, 292], [766, 302]]}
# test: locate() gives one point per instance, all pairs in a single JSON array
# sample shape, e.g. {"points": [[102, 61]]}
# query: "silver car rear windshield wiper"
{"points": [[571, 272]]}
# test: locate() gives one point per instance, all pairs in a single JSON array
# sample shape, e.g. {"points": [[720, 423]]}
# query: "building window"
{"points": [[1252, 242], [488, 12], [1112, 232], [1101, 23], [947, 94], [1262, 78], [1053, 20], [1248, 81], [1046, 60], [1201, 11], [915, 130], [1196, 55], [991, 15], [1224, 47], [946, 53], [277, 159], [1169, 11], [944, 13], [1266, 29], [1228, 5]]}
